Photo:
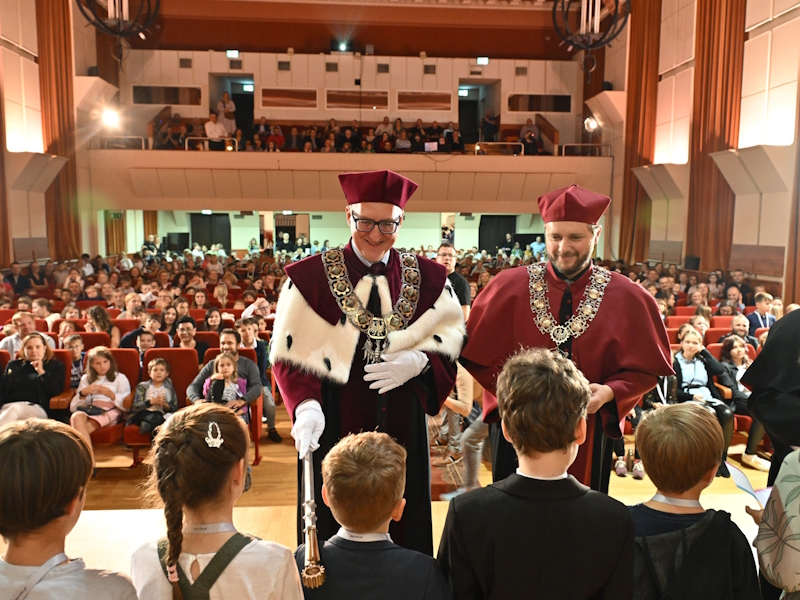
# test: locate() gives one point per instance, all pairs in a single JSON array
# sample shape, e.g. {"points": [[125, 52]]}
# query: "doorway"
{"points": [[475, 97], [241, 90], [211, 229], [493, 229]]}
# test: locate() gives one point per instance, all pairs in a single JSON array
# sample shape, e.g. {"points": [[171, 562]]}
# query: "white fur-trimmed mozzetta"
{"points": [[327, 351]]}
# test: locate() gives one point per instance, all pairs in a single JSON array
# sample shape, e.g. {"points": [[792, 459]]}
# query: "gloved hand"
{"points": [[309, 423], [397, 368]]}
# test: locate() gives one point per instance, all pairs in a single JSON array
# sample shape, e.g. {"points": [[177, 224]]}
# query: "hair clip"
{"points": [[214, 441], [172, 573]]}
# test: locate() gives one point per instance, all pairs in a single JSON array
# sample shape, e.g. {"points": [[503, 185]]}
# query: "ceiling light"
{"points": [[232, 54], [590, 124], [483, 60], [248, 87], [110, 118], [342, 46], [463, 93]]}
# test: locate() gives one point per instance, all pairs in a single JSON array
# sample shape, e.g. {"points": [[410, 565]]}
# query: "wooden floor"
{"points": [[114, 524]]}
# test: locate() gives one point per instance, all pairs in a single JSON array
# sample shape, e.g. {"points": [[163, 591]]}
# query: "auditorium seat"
{"points": [[672, 335], [125, 325], [113, 313], [713, 334], [685, 311], [209, 337], [79, 323], [85, 304], [716, 351], [6, 314], [749, 309], [92, 339], [256, 408], [162, 339], [676, 321], [760, 330], [41, 325], [198, 314], [61, 401], [5, 358], [721, 322], [53, 336]]}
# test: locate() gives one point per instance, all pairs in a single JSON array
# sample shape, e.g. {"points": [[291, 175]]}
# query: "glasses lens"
{"points": [[365, 225], [387, 226]]}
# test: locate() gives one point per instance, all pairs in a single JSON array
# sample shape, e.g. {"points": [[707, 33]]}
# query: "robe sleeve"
{"points": [[296, 386], [434, 386]]}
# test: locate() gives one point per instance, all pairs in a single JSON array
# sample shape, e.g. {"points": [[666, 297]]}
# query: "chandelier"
{"points": [[591, 34], [118, 21]]}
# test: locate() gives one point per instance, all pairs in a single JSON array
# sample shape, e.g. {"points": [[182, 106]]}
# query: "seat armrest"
{"points": [[62, 400]]}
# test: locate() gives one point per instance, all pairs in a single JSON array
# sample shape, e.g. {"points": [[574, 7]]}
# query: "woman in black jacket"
{"points": [[30, 381], [694, 369]]}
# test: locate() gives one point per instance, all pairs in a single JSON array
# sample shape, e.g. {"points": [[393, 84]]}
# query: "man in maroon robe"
{"points": [[609, 326], [366, 338]]}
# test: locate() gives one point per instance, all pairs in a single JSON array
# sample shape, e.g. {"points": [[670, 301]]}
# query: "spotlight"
{"points": [[342, 47], [110, 118], [590, 124]]}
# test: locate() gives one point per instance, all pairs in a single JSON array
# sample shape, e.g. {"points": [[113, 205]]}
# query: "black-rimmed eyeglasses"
{"points": [[367, 225]]}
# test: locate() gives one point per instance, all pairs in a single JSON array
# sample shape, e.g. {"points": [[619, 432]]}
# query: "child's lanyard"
{"points": [[38, 575], [662, 394]]}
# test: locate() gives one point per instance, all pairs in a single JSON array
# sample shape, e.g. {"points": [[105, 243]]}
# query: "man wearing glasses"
{"points": [[365, 339]]}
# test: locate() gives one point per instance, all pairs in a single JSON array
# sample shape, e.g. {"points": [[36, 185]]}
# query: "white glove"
{"points": [[398, 368], [309, 423]]}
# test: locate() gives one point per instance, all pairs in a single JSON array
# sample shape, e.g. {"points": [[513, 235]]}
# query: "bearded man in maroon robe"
{"points": [[609, 326], [366, 338]]}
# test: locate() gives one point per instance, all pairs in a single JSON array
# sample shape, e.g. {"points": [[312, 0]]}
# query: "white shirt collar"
{"points": [[556, 478], [255, 344], [384, 259], [363, 537]]}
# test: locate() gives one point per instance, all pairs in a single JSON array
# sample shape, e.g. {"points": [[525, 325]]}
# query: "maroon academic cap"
{"points": [[377, 186], [573, 203]]}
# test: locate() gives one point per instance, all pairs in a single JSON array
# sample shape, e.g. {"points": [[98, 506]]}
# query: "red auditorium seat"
{"points": [[125, 325], [721, 322], [80, 323], [676, 321], [92, 339], [61, 401]]}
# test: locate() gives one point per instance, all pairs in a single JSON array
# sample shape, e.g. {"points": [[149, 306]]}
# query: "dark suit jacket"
{"points": [[20, 285], [380, 570], [527, 538]]}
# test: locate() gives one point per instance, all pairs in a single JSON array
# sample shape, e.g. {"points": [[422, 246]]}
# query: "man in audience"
{"points": [[385, 127], [229, 341], [682, 550], [294, 142], [529, 127], [734, 296], [538, 246], [25, 325], [621, 353], [740, 325], [529, 145], [261, 128], [762, 317], [18, 282], [737, 280], [364, 477], [489, 548], [215, 132], [186, 333]]}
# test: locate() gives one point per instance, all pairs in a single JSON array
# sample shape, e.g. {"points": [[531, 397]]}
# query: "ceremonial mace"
{"points": [[313, 574]]}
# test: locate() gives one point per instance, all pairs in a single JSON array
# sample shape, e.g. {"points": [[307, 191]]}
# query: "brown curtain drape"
{"points": [[5, 234], [58, 125], [791, 289], [150, 222], [719, 63], [640, 126], [115, 233]]}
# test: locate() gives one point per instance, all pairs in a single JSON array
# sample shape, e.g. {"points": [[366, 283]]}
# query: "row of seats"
{"points": [[198, 314], [712, 335], [682, 311]]}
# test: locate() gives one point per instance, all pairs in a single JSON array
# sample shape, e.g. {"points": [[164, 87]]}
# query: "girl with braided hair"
{"points": [[200, 459]]}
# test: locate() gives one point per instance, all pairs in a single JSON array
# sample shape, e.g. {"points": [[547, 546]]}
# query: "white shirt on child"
{"points": [[263, 570], [556, 478], [154, 391], [68, 581]]}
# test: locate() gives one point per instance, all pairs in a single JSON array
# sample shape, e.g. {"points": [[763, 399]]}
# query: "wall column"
{"points": [[58, 124], [719, 62], [640, 126]]}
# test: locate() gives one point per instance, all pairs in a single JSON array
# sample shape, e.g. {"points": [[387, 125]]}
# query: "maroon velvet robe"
{"points": [[354, 407], [624, 347]]}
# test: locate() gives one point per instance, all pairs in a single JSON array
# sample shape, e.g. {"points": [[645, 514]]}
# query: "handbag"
{"points": [[92, 410], [229, 114]]}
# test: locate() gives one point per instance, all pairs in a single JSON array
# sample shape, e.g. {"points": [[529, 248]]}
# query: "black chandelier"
{"points": [[117, 20], [590, 34]]}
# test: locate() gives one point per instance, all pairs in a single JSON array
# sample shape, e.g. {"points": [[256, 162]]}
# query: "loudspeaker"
{"points": [[608, 86], [692, 263]]}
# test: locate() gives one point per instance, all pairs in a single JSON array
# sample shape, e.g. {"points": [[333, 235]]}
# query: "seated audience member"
{"points": [[694, 368], [734, 296], [24, 304], [73, 344], [200, 469], [224, 386], [186, 335], [248, 330], [97, 319], [153, 398], [100, 396], [762, 317], [24, 325], [364, 478], [530, 147], [735, 362], [740, 326], [45, 467], [151, 323], [144, 342], [41, 310], [682, 550], [30, 381], [487, 543], [777, 308], [700, 324], [18, 282], [212, 321], [384, 127]]}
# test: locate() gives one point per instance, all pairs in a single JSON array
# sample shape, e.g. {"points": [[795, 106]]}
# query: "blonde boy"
{"points": [[364, 478]]}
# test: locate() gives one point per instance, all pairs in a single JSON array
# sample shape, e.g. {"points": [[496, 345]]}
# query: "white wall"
{"points": [[161, 67], [179, 221], [332, 226], [243, 230]]}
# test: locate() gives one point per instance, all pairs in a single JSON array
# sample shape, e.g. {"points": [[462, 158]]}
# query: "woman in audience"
{"points": [[725, 310], [683, 280], [484, 279], [169, 317], [221, 294], [271, 147], [100, 398], [29, 381], [66, 328], [705, 312], [239, 137], [200, 469], [71, 311], [212, 321], [37, 277], [200, 299], [735, 362], [696, 299], [715, 288], [473, 290], [704, 292], [97, 319], [694, 368], [254, 248], [777, 308], [370, 138], [180, 280]]}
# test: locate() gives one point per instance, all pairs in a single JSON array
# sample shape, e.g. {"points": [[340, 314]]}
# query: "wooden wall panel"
{"points": [[761, 260], [150, 218], [665, 252]]}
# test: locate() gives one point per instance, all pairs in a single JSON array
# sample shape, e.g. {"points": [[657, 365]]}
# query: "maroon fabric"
{"points": [[625, 346], [377, 186], [573, 203]]}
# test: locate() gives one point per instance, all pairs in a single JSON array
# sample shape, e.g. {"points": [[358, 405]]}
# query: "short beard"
{"points": [[584, 263]]}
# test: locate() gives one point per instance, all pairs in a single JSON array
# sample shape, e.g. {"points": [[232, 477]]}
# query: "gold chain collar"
{"points": [[577, 323], [375, 328]]}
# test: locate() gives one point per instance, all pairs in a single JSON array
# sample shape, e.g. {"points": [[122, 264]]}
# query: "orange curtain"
{"points": [[58, 125], [150, 223], [791, 290], [640, 126], [115, 232], [5, 234], [719, 63]]}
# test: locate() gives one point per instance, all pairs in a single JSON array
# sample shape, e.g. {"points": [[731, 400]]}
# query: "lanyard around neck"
{"points": [[38, 575], [662, 393], [209, 528], [677, 501]]}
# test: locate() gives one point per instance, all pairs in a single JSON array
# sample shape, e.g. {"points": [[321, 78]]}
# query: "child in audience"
{"points": [[45, 467], [65, 328], [73, 343], [224, 386], [100, 396], [539, 533], [364, 477], [682, 550], [199, 472], [153, 398]]}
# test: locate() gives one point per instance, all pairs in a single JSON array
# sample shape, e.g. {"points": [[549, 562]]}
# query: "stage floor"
{"points": [[114, 523]]}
